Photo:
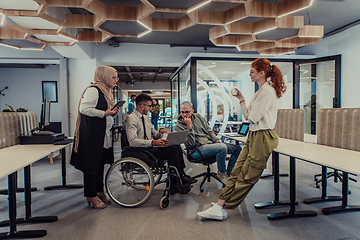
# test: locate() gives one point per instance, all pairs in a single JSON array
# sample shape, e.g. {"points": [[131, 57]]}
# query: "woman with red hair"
{"points": [[261, 141]]}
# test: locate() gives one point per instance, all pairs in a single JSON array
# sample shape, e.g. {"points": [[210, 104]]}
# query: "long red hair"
{"points": [[272, 72]]}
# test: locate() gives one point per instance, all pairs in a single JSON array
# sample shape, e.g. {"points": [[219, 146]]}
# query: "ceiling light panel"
{"points": [[19, 5], [123, 27], [128, 3], [53, 38], [34, 23], [167, 15], [183, 4], [277, 34]]}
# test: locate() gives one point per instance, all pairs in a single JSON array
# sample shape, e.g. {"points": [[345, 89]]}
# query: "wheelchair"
{"points": [[130, 181]]}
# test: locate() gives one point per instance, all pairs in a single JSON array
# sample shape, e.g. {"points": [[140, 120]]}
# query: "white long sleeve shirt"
{"points": [[87, 107], [262, 110]]}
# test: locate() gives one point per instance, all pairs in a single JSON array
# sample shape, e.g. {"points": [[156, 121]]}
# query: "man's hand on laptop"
{"points": [[160, 142]]}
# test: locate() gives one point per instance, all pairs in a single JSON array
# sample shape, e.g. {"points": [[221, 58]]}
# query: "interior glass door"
{"points": [[316, 91]]}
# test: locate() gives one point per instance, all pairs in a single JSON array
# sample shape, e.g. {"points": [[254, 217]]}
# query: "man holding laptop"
{"points": [[141, 133], [201, 136]]}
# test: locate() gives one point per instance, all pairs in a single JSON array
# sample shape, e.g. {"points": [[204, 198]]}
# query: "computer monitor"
{"points": [[45, 114]]}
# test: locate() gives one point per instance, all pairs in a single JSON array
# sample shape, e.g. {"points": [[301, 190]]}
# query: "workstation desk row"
{"points": [[15, 158], [344, 160]]}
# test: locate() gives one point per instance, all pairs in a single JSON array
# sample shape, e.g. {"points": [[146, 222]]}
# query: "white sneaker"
{"points": [[215, 212]]}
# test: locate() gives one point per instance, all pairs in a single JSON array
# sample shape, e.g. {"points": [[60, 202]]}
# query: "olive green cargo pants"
{"points": [[249, 166]]}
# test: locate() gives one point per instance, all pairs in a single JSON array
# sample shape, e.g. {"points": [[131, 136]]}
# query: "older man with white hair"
{"points": [[201, 136]]}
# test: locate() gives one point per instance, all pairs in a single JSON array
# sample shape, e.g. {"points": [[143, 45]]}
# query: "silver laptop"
{"points": [[176, 138], [243, 130]]}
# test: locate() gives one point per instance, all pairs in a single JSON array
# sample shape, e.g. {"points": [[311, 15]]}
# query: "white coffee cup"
{"points": [[233, 91]]}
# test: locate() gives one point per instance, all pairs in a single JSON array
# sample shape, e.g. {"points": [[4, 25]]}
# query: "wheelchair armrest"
{"points": [[141, 149]]}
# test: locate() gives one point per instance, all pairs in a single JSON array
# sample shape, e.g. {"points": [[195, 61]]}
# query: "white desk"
{"points": [[337, 158], [11, 160]]}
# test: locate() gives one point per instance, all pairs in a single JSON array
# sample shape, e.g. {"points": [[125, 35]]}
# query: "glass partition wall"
{"points": [[319, 87], [213, 79]]}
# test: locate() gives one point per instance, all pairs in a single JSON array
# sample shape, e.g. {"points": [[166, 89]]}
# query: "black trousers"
{"points": [[95, 183], [173, 154]]}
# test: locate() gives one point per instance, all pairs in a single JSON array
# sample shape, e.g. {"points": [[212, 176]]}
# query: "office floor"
{"points": [[179, 220]]}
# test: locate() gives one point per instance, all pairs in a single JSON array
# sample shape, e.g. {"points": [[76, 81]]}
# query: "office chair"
{"points": [[336, 174], [205, 160]]}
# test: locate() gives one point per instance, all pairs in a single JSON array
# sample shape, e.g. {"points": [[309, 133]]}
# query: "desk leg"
{"points": [[63, 171], [6, 191], [274, 166], [292, 213], [344, 205], [324, 197], [276, 202], [13, 233], [28, 218]]}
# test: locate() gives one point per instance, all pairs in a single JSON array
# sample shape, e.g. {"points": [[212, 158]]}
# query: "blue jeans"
{"points": [[154, 121], [220, 150]]}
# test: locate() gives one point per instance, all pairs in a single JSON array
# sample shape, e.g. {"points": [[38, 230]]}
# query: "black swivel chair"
{"points": [[205, 160]]}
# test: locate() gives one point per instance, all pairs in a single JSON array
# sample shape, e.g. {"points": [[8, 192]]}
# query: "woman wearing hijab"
{"points": [[93, 139]]}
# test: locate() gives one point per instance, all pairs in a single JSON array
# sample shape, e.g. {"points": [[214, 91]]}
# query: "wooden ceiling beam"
{"points": [[45, 32], [312, 31], [291, 22], [97, 8], [121, 13], [8, 33], [90, 36], [257, 46], [241, 28], [217, 32], [20, 13], [235, 14], [207, 17], [171, 10], [261, 9], [79, 21], [232, 1], [63, 3], [163, 24], [277, 51], [184, 22], [148, 4], [42, 9], [143, 11], [290, 6], [35, 40]]}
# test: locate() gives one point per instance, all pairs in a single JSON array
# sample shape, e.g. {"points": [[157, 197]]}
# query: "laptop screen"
{"points": [[244, 128]]}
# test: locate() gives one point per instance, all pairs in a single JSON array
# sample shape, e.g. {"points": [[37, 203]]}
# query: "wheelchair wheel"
{"points": [[164, 202], [129, 182]]}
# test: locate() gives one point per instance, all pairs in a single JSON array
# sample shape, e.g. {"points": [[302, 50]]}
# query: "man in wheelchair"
{"points": [[141, 133]]}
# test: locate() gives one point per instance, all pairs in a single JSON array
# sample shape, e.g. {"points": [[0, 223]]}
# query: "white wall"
{"points": [[81, 74], [25, 89], [347, 44], [132, 54]]}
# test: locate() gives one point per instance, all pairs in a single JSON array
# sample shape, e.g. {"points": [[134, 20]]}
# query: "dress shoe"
{"points": [[103, 198], [189, 179], [100, 205]]}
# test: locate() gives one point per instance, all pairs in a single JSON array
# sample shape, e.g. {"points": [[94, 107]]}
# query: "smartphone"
{"points": [[118, 104]]}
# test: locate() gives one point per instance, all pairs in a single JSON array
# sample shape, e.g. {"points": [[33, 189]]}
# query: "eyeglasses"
{"points": [[185, 112]]}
